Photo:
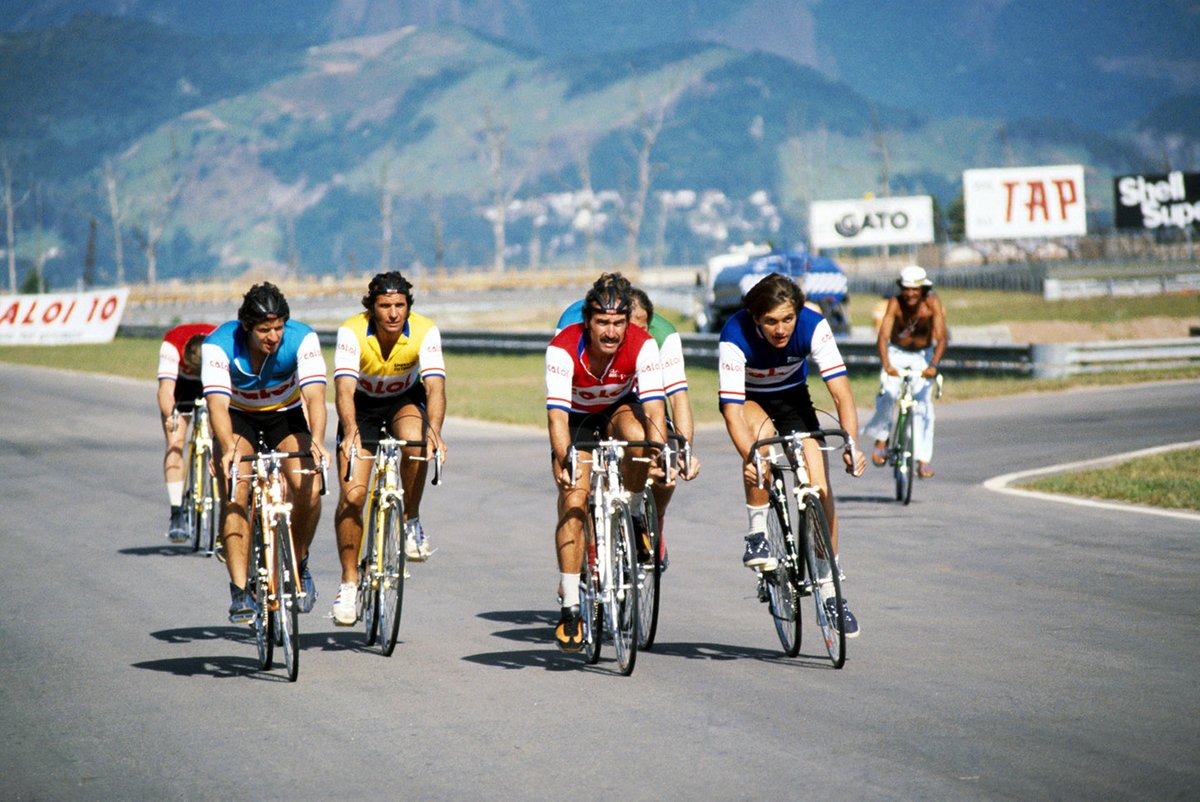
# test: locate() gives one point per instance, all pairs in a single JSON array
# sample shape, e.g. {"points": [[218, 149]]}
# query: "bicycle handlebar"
{"points": [[592, 445], [322, 469], [794, 438], [437, 457]]}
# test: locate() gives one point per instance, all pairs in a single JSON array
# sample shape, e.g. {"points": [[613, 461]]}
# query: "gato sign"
{"points": [[58, 318], [1157, 201], [1020, 202], [869, 222]]}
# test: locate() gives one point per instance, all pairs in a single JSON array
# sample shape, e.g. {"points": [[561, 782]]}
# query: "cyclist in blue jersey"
{"points": [[763, 356], [264, 380]]}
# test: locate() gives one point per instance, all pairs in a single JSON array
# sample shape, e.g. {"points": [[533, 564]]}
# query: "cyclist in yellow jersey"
{"points": [[388, 372]]}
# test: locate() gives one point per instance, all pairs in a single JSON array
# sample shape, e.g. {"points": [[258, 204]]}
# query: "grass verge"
{"points": [[1170, 479]]}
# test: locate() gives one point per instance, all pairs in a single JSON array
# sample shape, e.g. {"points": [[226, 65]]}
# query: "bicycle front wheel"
{"points": [[206, 508], [287, 589], [622, 595], [649, 575], [391, 581], [191, 497], [902, 457], [259, 584], [368, 573], [781, 584], [589, 595], [825, 580]]}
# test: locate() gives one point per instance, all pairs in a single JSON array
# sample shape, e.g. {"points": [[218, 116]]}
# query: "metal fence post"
{"points": [[1051, 360]]}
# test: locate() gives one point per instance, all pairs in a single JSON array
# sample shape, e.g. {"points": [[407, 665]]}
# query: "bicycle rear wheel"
{"points": [[391, 582], [206, 507], [287, 591], [589, 596], [622, 597], [825, 579], [649, 577], [191, 493], [258, 584], [782, 597], [368, 577]]}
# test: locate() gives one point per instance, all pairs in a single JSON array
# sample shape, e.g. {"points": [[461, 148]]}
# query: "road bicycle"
{"points": [[676, 456], [381, 568], [200, 504], [274, 577], [901, 447], [800, 542], [610, 579]]}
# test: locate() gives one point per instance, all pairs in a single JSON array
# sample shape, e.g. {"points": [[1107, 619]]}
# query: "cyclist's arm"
{"points": [[221, 424], [560, 446], [681, 416], [343, 403], [435, 408], [886, 324], [847, 412], [166, 398], [940, 334], [313, 397]]}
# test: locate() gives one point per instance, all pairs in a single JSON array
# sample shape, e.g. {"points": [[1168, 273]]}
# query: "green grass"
{"points": [[1170, 479], [511, 389]]}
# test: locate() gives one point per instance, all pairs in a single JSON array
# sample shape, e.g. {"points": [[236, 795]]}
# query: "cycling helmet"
{"points": [[385, 284], [610, 295], [263, 302]]}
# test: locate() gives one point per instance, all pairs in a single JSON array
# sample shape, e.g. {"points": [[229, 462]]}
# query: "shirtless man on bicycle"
{"points": [[912, 336], [603, 377], [388, 371], [264, 379], [178, 388], [763, 370]]}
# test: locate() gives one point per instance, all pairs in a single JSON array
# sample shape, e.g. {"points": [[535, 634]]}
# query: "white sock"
{"points": [[570, 590], [758, 518], [175, 493]]}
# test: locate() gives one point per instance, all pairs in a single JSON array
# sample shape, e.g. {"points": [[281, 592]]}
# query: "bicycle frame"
{"points": [[202, 509]]}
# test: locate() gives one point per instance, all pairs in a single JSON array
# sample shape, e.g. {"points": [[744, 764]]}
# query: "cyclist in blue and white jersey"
{"points": [[763, 370], [264, 380]]}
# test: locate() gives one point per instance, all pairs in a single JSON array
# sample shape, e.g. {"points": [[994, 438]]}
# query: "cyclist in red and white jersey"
{"points": [[178, 388], [603, 378]]}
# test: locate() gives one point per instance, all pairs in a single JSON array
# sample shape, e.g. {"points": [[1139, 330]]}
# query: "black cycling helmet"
{"points": [[610, 295], [385, 284], [263, 302]]}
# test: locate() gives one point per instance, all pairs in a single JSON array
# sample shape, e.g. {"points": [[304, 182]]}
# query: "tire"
{"points": [[901, 457], [782, 595], [910, 427], [390, 596], [207, 509], [264, 622], [287, 589], [818, 545], [589, 596], [368, 584], [623, 597], [188, 505], [649, 578]]}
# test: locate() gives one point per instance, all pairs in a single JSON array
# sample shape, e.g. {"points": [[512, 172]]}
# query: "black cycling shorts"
{"points": [[592, 426], [268, 428], [186, 393], [374, 415], [790, 410]]}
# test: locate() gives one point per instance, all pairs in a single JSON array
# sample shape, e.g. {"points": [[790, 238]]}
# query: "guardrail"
{"points": [[1053, 360]]}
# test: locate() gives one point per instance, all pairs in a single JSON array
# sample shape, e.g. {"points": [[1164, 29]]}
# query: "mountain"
{"points": [[1102, 64], [240, 140]]}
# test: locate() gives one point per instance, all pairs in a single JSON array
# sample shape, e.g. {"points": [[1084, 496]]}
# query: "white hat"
{"points": [[914, 276]]}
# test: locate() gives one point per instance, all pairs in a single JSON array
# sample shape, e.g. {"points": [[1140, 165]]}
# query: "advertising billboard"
{"points": [[57, 318], [1022, 202], [1157, 201], [867, 222]]}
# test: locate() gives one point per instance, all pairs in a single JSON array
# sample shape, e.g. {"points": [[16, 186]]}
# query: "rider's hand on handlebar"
{"points": [[855, 459], [691, 470]]}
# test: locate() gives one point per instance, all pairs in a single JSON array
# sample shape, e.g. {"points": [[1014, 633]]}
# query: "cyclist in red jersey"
{"points": [[178, 388], [603, 378]]}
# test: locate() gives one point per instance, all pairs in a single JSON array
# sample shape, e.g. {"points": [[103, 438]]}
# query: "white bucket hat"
{"points": [[914, 276]]}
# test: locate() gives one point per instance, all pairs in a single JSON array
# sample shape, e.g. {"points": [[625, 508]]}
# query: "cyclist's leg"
{"points": [[235, 523], [757, 552], [879, 426], [348, 519], [923, 436], [627, 421], [409, 422], [292, 434]]}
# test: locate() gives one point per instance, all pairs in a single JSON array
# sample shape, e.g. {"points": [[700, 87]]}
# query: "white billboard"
{"points": [[867, 222], [57, 318], [1021, 202]]}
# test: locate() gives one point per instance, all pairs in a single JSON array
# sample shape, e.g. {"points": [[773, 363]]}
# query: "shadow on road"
{"points": [[215, 667], [162, 550]]}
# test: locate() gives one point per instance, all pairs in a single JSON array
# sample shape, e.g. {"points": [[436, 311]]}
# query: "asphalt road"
{"points": [[1010, 648]]}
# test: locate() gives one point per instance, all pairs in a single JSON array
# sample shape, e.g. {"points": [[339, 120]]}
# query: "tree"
{"points": [[649, 125], [117, 216], [492, 143], [160, 208], [9, 229]]}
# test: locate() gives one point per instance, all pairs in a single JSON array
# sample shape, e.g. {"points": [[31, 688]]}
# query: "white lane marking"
{"points": [[1002, 484]]}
